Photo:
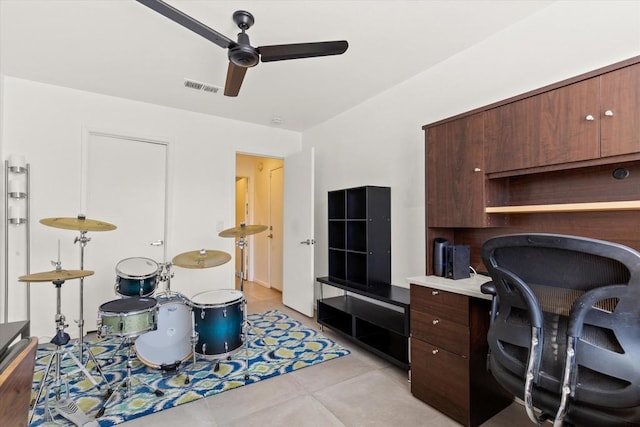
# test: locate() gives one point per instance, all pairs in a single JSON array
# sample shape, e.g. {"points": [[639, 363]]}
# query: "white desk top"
{"points": [[469, 287]]}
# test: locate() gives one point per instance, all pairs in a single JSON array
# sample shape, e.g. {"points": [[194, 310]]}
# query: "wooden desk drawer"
{"points": [[441, 379], [445, 305], [448, 335]]}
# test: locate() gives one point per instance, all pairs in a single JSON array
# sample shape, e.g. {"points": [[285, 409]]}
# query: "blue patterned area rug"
{"points": [[276, 345]]}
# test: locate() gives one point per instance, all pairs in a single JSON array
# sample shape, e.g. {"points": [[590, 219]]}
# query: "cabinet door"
{"points": [[620, 111], [558, 126], [455, 181]]}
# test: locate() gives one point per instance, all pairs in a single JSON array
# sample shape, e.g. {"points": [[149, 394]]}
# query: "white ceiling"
{"points": [[124, 49]]}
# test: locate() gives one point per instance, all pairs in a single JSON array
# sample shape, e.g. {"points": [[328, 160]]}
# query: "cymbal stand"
{"points": [[83, 240], [60, 340], [241, 243]]}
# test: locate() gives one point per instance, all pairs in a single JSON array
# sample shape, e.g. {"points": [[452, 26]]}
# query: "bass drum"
{"points": [[219, 318], [170, 344]]}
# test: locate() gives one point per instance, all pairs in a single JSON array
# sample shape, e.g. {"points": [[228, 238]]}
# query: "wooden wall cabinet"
{"points": [[545, 165], [620, 108], [449, 353], [457, 189], [590, 119]]}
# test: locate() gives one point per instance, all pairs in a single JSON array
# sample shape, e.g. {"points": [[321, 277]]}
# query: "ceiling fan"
{"points": [[241, 54]]}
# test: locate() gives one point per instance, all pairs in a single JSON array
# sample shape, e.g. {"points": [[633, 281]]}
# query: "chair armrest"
{"points": [[488, 288]]}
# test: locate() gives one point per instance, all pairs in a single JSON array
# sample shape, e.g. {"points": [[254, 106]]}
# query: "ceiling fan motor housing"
{"points": [[243, 54]]}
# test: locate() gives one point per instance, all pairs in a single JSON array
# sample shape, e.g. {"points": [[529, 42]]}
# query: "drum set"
{"points": [[163, 329]]}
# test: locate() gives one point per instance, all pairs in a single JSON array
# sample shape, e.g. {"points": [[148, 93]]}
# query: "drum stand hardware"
{"points": [[128, 380], [83, 240], [166, 275], [61, 339], [82, 224]]}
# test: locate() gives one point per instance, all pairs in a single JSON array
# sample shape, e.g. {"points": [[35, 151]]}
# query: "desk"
{"points": [[449, 324], [10, 331]]}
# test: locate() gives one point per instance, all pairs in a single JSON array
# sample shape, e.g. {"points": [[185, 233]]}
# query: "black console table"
{"points": [[379, 328], [10, 331]]}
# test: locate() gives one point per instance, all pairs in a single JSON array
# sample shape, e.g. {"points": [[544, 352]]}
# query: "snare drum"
{"points": [[218, 319], [128, 317], [170, 343], [136, 277]]}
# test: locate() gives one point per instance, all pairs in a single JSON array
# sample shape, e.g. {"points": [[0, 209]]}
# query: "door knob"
{"points": [[270, 236], [308, 242], [157, 243]]}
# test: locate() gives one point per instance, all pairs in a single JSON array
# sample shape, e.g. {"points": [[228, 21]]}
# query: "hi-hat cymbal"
{"points": [[242, 230], [55, 276], [201, 259], [79, 223]]}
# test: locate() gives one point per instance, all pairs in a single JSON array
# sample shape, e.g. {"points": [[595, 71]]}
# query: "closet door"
{"points": [[125, 185]]}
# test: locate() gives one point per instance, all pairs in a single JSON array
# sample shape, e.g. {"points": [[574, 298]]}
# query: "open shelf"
{"points": [[381, 329], [567, 207]]}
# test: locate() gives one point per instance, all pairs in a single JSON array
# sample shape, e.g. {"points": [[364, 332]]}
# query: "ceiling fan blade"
{"points": [[301, 50], [235, 75], [188, 22]]}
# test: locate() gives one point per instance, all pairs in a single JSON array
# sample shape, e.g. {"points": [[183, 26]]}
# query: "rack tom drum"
{"points": [[136, 277]]}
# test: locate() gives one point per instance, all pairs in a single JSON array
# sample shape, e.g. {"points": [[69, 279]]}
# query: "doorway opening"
{"points": [[259, 201]]}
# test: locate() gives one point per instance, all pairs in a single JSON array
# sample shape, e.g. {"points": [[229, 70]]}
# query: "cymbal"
{"points": [[79, 223], [201, 259], [55, 276], [242, 230]]}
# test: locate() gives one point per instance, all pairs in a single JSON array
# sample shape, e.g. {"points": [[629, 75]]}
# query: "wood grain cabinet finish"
{"points": [[448, 356], [456, 193], [620, 111], [554, 127], [587, 120]]}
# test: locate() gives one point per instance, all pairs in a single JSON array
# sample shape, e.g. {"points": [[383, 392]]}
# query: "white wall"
{"points": [[380, 142], [46, 124]]}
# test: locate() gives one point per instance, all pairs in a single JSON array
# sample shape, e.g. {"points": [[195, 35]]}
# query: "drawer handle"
{"points": [[435, 321], [434, 292], [434, 351]]}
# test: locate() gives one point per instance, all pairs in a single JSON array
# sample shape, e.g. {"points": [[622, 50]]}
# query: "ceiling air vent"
{"points": [[192, 84]]}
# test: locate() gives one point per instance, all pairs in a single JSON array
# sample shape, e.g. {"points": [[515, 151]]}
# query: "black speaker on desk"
{"points": [[440, 246], [458, 262]]}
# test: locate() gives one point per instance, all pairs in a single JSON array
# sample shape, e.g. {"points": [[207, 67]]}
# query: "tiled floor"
{"points": [[356, 390]]}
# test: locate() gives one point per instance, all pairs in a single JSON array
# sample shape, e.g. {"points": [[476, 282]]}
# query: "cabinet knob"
{"points": [[434, 351], [608, 113], [435, 321], [589, 118], [434, 292], [477, 170]]}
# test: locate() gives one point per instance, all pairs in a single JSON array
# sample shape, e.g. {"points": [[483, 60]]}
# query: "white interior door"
{"points": [[298, 280], [125, 185], [276, 186]]}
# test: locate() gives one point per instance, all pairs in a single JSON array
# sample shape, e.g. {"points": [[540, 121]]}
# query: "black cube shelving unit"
{"points": [[360, 263], [360, 235]]}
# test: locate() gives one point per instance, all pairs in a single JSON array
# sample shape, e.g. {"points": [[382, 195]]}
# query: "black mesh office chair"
{"points": [[565, 329]]}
